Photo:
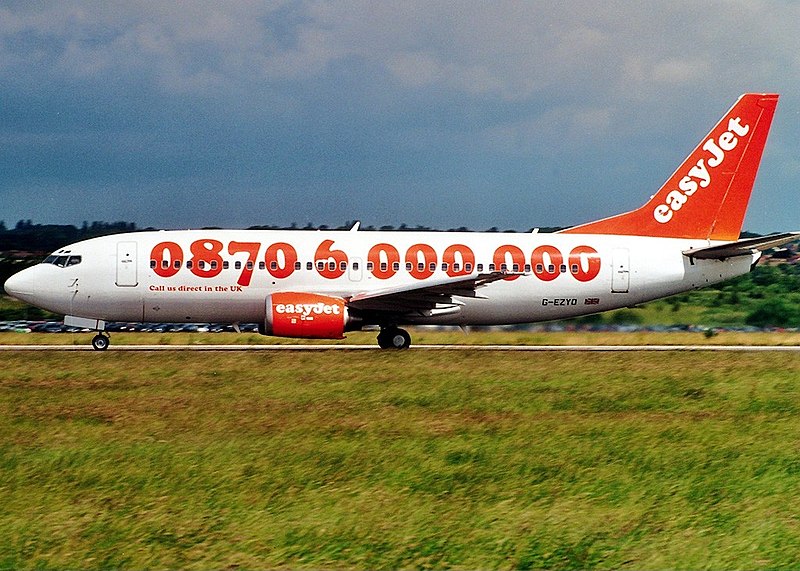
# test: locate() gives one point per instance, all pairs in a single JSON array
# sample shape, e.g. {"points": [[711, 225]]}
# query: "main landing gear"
{"points": [[100, 342], [394, 338]]}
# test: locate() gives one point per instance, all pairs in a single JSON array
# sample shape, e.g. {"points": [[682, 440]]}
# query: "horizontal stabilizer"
{"points": [[742, 247]]}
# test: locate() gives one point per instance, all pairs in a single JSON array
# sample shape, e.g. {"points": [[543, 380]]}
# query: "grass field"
{"points": [[399, 459]]}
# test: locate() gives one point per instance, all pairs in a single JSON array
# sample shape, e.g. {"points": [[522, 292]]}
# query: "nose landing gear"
{"points": [[394, 338], [100, 342]]}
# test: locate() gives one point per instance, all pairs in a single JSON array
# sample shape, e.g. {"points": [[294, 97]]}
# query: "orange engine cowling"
{"points": [[305, 315]]}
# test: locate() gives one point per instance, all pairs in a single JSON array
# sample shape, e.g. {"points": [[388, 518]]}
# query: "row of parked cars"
{"points": [[58, 327], [23, 326]]}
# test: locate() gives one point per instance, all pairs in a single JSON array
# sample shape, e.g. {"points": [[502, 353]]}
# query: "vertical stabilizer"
{"points": [[707, 196]]}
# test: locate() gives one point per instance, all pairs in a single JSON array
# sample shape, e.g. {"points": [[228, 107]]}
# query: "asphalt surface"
{"points": [[572, 348]]}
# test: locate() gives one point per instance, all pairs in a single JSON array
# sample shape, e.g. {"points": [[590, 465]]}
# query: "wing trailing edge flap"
{"points": [[436, 294], [744, 247]]}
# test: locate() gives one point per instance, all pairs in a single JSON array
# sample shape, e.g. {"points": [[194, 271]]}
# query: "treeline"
{"points": [[770, 295], [26, 236]]}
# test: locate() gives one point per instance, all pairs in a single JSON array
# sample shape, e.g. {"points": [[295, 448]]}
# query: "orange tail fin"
{"points": [[707, 196]]}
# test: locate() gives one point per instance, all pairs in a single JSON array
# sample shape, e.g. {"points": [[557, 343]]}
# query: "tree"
{"points": [[774, 312]]}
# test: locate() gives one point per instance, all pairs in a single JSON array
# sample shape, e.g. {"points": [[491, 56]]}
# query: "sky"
{"points": [[442, 114]]}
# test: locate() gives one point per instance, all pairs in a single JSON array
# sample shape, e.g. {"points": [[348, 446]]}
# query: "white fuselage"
{"points": [[146, 276]]}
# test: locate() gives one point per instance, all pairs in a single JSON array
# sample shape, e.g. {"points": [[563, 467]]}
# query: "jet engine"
{"points": [[306, 315]]}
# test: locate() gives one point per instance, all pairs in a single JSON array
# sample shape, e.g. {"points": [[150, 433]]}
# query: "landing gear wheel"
{"points": [[100, 342], [383, 340], [394, 338]]}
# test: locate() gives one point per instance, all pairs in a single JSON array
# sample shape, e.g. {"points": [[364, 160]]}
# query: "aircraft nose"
{"points": [[21, 285]]}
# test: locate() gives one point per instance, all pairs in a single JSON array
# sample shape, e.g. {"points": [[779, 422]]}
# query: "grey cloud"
{"points": [[292, 104]]}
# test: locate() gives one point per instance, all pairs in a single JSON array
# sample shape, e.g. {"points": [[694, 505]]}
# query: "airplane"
{"points": [[322, 284]]}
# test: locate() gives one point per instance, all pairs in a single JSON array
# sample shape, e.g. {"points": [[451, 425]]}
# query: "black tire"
{"points": [[394, 338], [384, 339], [400, 339], [100, 342]]}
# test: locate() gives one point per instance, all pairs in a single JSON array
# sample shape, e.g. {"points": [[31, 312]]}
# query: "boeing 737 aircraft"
{"points": [[321, 284]]}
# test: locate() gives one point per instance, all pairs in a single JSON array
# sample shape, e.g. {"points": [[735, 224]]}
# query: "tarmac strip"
{"points": [[540, 348]]}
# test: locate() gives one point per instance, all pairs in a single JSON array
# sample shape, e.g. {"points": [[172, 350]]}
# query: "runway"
{"points": [[331, 347]]}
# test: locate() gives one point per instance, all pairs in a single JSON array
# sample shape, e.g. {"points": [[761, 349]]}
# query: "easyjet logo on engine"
{"points": [[306, 310], [699, 176]]}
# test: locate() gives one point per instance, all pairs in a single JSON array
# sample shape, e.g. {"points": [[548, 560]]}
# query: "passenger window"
{"points": [[421, 267], [297, 266], [165, 264], [177, 264], [273, 265], [551, 268], [201, 264], [370, 266], [384, 266], [480, 267], [503, 267], [539, 268], [213, 264], [249, 265], [468, 267], [189, 264], [309, 266], [263, 266], [491, 267], [332, 266], [320, 265], [445, 266], [527, 267], [515, 267], [343, 266], [432, 267], [563, 268], [395, 266], [574, 268], [237, 265], [355, 266], [456, 267], [225, 264], [153, 263]]}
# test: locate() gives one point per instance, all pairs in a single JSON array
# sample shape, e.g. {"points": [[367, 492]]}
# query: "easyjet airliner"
{"points": [[321, 284]]}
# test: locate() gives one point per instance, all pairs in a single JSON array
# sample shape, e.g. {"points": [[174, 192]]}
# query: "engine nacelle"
{"points": [[306, 315]]}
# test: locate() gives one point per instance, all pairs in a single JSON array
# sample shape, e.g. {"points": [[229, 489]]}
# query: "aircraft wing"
{"points": [[742, 247], [433, 294]]}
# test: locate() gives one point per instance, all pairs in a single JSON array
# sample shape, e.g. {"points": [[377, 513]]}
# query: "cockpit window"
{"points": [[62, 261]]}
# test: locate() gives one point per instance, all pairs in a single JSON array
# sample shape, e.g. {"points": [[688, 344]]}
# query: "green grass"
{"points": [[410, 460]]}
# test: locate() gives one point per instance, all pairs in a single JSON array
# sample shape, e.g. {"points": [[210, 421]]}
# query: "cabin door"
{"points": [[126, 264], [621, 276]]}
